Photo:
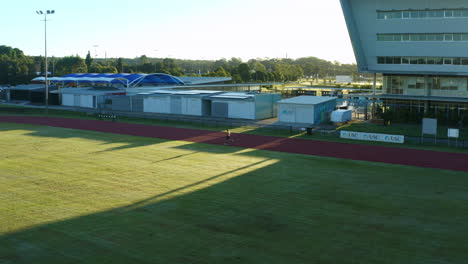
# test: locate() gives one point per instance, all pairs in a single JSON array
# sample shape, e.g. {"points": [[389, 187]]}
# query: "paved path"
{"points": [[402, 156]]}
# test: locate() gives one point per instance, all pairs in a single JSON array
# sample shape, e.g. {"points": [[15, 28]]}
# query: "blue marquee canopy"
{"points": [[131, 80]]}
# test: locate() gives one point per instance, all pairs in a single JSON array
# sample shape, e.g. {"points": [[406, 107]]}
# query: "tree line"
{"points": [[18, 68]]}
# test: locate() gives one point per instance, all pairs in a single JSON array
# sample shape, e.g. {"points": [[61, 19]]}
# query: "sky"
{"points": [[184, 29]]}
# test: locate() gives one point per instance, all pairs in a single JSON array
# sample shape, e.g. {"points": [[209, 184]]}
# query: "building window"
{"points": [[449, 37], [422, 14], [422, 60]]}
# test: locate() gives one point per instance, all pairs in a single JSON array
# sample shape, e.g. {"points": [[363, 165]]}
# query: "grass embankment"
{"points": [[70, 196]]}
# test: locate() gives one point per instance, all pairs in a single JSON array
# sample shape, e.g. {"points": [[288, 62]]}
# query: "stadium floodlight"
{"points": [[48, 12]]}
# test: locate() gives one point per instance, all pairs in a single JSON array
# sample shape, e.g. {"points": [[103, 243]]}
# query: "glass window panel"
{"points": [[438, 60], [448, 13], [458, 13], [465, 37], [380, 38], [381, 15], [406, 14], [431, 60], [413, 60], [420, 83], [397, 37], [439, 37], [457, 37], [414, 37], [464, 61], [439, 13], [396, 60], [422, 37], [465, 12], [431, 37], [411, 83], [414, 14], [456, 61], [388, 37], [448, 61], [406, 37], [405, 60], [388, 60], [394, 15], [380, 60], [448, 37], [435, 13], [421, 60], [422, 14]]}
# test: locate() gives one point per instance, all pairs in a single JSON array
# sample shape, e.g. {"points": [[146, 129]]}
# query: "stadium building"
{"points": [[420, 47]]}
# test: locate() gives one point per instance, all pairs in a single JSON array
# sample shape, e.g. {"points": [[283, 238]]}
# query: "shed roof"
{"points": [[308, 100], [233, 96], [180, 92], [28, 87]]}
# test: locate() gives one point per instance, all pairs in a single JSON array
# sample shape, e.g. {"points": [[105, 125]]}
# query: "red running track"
{"points": [[402, 156]]}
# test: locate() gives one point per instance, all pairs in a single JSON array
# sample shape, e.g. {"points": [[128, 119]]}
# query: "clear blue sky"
{"points": [[202, 29]]}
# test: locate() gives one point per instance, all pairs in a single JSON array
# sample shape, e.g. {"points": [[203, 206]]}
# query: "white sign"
{"points": [[344, 79], [429, 126], [453, 132], [373, 137]]}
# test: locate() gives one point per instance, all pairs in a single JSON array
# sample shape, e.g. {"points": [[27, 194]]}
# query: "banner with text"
{"points": [[373, 137]]}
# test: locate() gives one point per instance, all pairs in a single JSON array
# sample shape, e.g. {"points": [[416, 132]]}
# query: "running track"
{"points": [[402, 156]]}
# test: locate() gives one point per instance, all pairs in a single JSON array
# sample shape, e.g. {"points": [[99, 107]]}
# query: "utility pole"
{"points": [[47, 12]]}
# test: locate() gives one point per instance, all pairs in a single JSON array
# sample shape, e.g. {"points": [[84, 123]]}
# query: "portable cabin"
{"points": [[306, 109]]}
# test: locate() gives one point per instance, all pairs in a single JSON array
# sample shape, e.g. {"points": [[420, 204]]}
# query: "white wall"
{"points": [[68, 100], [156, 105], [245, 110], [191, 106], [304, 114], [286, 113], [292, 113], [86, 101]]}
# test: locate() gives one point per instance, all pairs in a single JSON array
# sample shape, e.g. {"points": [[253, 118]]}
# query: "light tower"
{"points": [[47, 12]]}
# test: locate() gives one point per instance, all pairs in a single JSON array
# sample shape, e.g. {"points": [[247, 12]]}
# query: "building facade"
{"points": [[420, 47]]}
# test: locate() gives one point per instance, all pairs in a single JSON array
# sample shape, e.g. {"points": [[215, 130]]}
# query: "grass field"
{"points": [[69, 196]]}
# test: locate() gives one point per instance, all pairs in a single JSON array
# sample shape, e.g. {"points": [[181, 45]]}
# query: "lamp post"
{"points": [[47, 12]]}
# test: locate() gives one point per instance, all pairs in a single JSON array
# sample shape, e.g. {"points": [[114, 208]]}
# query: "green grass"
{"points": [[70, 196]]}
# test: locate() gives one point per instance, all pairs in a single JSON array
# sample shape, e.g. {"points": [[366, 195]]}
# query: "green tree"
{"points": [[244, 72], [15, 67], [119, 65], [71, 64], [88, 61]]}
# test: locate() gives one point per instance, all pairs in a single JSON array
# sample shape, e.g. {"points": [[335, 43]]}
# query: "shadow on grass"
{"points": [[123, 141], [293, 210]]}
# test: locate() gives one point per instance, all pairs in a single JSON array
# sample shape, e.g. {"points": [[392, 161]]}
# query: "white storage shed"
{"points": [[306, 109], [85, 97], [176, 102], [341, 115], [254, 106]]}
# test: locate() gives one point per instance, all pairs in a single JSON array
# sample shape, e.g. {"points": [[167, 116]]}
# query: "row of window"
{"points": [[417, 14], [396, 84], [422, 60], [423, 37]]}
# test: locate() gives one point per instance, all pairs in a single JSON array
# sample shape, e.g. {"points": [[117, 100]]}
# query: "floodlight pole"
{"points": [[47, 12]]}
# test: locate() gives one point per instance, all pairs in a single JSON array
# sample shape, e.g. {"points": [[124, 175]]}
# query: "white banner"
{"points": [[453, 132], [373, 137]]}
